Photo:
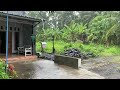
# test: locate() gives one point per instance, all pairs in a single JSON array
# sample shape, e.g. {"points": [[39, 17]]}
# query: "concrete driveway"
{"points": [[46, 69]]}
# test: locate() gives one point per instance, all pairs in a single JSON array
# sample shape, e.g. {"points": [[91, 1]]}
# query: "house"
{"points": [[20, 29]]}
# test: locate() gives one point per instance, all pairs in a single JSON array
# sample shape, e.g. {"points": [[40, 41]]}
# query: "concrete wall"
{"points": [[25, 36], [34, 46], [68, 61], [27, 32]]}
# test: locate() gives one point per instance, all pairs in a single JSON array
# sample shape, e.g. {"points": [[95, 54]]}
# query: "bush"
{"points": [[67, 46], [11, 73], [3, 74]]}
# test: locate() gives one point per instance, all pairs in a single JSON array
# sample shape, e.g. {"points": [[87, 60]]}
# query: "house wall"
{"points": [[34, 46], [13, 25], [21, 36], [24, 36], [25, 33], [28, 31]]}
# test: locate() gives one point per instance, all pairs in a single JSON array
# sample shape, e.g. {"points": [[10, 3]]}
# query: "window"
{"points": [[15, 29], [18, 29], [10, 28], [1, 27]]}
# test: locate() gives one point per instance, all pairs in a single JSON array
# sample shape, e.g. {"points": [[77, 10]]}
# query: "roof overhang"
{"points": [[19, 19]]}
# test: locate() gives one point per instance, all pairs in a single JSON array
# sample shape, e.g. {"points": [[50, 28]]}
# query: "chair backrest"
{"points": [[28, 49], [27, 46], [20, 48]]}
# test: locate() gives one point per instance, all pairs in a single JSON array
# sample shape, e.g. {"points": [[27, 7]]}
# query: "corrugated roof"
{"points": [[21, 13], [21, 17]]}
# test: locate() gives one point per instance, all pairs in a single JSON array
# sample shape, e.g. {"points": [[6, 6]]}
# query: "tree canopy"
{"points": [[92, 26]]}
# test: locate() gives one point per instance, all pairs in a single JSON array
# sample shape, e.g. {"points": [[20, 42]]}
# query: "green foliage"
{"points": [[88, 26], [73, 32], [67, 46], [3, 74], [112, 34], [104, 29], [10, 74], [110, 51], [97, 28], [73, 29], [59, 46], [97, 50]]}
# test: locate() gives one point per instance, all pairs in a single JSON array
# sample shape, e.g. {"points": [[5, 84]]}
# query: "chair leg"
{"points": [[25, 54]]}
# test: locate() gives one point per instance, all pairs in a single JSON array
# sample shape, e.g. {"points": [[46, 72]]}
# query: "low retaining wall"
{"points": [[68, 61]]}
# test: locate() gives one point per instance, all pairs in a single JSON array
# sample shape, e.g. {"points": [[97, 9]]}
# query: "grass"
{"points": [[59, 46], [98, 50], [112, 50]]}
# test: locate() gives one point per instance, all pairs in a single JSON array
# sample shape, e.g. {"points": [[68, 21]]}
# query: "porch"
{"points": [[18, 58], [20, 31]]}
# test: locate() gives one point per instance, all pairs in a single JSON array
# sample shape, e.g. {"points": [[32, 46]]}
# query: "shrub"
{"points": [[11, 73], [3, 74], [67, 46]]}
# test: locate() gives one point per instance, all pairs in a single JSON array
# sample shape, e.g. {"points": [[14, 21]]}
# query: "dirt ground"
{"points": [[108, 67]]}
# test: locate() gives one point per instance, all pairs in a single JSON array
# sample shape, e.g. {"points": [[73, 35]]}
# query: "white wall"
{"points": [[20, 37], [2, 23]]}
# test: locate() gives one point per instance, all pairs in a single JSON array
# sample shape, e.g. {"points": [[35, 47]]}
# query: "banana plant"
{"points": [[71, 31]]}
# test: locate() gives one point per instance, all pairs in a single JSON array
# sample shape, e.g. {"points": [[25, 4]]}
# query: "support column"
{"points": [[33, 43]]}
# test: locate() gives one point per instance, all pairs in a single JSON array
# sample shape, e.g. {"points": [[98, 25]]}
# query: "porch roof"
{"points": [[18, 17]]}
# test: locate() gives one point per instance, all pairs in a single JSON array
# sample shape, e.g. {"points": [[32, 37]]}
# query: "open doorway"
{"points": [[2, 42]]}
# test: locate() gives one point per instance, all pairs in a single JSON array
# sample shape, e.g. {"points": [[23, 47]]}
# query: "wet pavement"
{"points": [[46, 69]]}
